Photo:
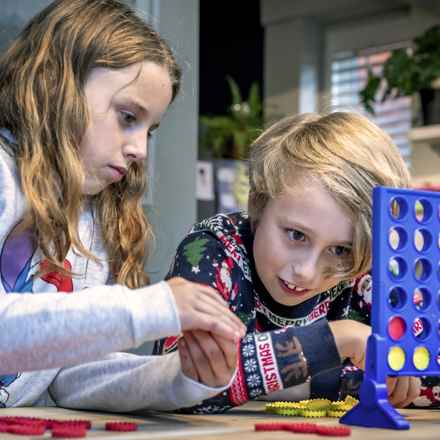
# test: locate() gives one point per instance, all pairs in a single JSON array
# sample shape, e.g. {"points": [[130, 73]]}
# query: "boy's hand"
{"points": [[351, 341], [201, 308], [207, 358], [403, 390]]}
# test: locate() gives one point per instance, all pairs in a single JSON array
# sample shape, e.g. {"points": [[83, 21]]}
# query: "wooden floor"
{"points": [[236, 424]]}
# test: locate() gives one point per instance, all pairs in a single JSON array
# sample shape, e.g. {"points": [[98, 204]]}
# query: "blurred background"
{"points": [[247, 63]]}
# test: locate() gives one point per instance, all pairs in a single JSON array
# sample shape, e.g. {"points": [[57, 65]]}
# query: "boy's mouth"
{"points": [[293, 289]]}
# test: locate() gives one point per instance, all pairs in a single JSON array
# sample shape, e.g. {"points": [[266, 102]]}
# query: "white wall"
{"points": [[14, 15], [171, 203]]}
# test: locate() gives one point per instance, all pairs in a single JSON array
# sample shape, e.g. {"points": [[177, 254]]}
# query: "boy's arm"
{"points": [[272, 361], [401, 390], [267, 361], [353, 303]]}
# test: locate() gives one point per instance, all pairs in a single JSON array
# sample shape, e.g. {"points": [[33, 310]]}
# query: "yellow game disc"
{"points": [[396, 358], [421, 358], [312, 407], [335, 413], [312, 413], [318, 404], [287, 412]]}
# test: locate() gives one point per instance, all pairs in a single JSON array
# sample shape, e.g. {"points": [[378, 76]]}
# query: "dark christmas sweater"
{"points": [[284, 345]]}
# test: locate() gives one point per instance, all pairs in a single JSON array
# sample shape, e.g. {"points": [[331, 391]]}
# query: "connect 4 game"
{"points": [[405, 337]]}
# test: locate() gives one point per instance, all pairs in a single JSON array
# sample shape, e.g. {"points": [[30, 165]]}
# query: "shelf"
{"points": [[425, 157], [431, 181], [429, 134]]}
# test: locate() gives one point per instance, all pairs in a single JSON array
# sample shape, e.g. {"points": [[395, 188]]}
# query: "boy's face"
{"points": [[125, 106], [301, 239]]}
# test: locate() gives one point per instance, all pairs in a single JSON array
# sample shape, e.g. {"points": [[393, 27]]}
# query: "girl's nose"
{"points": [[136, 148]]}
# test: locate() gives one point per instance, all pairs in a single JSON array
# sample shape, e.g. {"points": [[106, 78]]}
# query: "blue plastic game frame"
{"points": [[406, 281]]}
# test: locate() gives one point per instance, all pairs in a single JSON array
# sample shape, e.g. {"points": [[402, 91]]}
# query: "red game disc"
{"points": [[121, 426], [333, 431], [26, 429], [304, 428], [269, 426], [68, 431]]}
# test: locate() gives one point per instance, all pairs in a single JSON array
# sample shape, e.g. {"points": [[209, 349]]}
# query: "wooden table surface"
{"points": [[235, 424]]}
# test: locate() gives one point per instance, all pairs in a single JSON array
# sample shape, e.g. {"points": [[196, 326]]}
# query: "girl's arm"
{"points": [[48, 330], [123, 382]]}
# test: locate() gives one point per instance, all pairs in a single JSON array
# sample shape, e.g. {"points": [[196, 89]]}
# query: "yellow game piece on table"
{"points": [[336, 414], [318, 404], [351, 400], [313, 413], [312, 407], [288, 412]]}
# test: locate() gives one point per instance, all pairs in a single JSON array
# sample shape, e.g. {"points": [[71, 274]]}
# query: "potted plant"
{"points": [[229, 136], [407, 72], [227, 139]]}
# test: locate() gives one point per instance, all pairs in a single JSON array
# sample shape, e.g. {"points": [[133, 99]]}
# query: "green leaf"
{"points": [[230, 135], [369, 92], [235, 91], [406, 71], [254, 101]]}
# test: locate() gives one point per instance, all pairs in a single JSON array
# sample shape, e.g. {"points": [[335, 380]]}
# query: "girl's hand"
{"points": [[207, 358], [201, 308], [403, 390]]}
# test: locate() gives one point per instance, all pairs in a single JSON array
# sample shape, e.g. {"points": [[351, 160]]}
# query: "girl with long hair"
{"points": [[82, 89]]}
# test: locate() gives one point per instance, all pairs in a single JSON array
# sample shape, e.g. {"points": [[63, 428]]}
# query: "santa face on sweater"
{"points": [[301, 239]]}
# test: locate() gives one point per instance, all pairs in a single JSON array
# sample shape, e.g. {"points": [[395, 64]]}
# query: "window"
{"points": [[349, 73]]}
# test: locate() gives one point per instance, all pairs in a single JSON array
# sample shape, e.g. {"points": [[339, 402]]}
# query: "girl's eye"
{"points": [[295, 235], [127, 118], [151, 132], [340, 251]]}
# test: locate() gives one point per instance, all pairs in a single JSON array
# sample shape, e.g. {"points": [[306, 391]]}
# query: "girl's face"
{"points": [[125, 107], [301, 239]]}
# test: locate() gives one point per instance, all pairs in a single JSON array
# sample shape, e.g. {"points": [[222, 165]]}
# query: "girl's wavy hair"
{"points": [[42, 79], [344, 151]]}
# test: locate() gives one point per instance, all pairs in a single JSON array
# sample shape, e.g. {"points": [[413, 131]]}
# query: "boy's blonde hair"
{"points": [[42, 79], [344, 151]]}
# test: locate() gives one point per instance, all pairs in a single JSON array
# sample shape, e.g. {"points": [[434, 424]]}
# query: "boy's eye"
{"points": [[340, 251], [295, 235], [127, 118]]}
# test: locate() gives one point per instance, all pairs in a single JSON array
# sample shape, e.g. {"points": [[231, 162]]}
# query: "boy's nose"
{"points": [[306, 271]]}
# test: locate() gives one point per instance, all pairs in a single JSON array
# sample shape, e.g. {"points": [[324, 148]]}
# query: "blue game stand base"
{"points": [[374, 410]]}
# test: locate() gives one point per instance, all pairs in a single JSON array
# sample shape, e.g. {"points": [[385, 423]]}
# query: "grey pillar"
{"points": [[292, 52]]}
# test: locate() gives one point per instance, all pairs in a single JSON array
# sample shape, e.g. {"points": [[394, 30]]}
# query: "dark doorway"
{"points": [[231, 43]]}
